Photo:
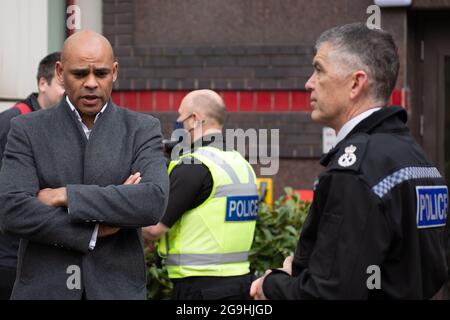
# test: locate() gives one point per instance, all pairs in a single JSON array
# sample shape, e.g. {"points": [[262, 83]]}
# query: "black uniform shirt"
{"points": [[190, 184]]}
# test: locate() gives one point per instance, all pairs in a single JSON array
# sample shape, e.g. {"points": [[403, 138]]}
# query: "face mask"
{"points": [[178, 125], [178, 136]]}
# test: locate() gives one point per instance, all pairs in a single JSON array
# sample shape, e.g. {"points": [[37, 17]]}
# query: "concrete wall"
{"points": [[5, 105], [23, 39], [29, 30], [91, 14]]}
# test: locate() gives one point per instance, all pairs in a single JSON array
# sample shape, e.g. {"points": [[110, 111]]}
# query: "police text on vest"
{"points": [[432, 206], [242, 208]]}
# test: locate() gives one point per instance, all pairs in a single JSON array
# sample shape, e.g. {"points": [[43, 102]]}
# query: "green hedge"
{"points": [[276, 236]]}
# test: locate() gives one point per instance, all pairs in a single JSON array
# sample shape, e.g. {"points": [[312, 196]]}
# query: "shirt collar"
{"points": [[349, 125], [78, 114]]}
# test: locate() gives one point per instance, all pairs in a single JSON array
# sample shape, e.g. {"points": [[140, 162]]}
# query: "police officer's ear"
{"points": [[359, 84], [198, 121]]}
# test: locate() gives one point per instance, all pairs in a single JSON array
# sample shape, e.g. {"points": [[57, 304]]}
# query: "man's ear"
{"points": [[195, 116], [42, 84], [197, 119], [115, 70], [59, 71], [359, 83]]}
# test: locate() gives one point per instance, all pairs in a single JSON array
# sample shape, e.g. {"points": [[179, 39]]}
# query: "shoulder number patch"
{"points": [[241, 208], [432, 206]]}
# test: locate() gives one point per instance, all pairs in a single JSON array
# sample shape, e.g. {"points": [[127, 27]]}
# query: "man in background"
{"points": [[50, 92]]}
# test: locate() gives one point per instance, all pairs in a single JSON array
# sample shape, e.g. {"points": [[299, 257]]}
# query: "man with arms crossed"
{"points": [[62, 185]]}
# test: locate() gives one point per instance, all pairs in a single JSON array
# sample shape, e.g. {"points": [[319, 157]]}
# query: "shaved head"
{"points": [[88, 70], [86, 42], [206, 103]]}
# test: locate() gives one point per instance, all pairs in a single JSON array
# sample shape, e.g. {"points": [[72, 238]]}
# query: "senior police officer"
{"points": [[212, 209], [377, 225]]}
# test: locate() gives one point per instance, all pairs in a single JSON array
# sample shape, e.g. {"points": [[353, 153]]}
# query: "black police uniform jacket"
{"points": [[377, 226]]}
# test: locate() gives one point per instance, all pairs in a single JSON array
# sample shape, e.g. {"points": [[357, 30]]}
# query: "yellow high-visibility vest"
{"points": [[214, 238]]}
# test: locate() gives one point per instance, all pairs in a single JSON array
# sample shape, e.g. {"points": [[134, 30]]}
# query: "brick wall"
{"points": [[236, 101], [144, 66], [431, 4], [298, 136], [256, 54], [228, 45], [218, 68], [299, 148]]}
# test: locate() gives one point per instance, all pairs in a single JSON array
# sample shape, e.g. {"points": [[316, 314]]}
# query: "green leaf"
{"points": [[292, 230]]}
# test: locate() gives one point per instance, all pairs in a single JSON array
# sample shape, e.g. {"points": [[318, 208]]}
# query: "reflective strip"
{"points": [[243, 189], [409, 173], [236, 188], [220, 162], [205, 259]]}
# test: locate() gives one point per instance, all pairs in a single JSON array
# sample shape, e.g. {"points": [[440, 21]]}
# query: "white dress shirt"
{"points": [[352, 123], [87, 132]]}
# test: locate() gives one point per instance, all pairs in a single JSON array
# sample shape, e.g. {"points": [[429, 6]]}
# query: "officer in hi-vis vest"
{"points": [[207, 230]]}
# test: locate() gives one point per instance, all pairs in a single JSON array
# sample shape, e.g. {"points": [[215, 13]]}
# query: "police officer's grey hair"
{"points": [[371, 50]]}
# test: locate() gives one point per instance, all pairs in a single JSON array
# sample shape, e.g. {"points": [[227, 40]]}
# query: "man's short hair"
{"points": [[46, 67], [371, 50]]}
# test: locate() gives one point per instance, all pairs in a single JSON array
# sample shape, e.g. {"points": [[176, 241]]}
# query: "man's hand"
{"points": [[149, 247], [104, 231], [287, 265], [53, 197], [155, 232], [256, 290], [133, 179]]}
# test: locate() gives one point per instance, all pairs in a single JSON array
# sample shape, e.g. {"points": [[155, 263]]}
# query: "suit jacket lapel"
{"points": [[104, 145], [67, 143], [72, 121]]}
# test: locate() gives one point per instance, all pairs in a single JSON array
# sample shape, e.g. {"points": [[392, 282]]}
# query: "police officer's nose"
{"points": [[309, 84]]}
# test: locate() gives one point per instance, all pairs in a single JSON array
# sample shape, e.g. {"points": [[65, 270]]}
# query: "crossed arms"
{"points": [[43, 216]]}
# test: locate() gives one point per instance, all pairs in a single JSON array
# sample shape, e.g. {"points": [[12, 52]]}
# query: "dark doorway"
{"points": [[429, 35], [447, 120]]}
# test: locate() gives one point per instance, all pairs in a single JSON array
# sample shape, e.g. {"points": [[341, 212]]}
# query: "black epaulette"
{"points": [[349, 153]]}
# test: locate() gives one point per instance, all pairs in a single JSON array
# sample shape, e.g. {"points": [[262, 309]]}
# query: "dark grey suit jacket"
{"points": [[48, 149]]}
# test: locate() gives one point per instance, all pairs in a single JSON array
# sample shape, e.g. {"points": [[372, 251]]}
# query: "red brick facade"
{"points": [[260, 71]]}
